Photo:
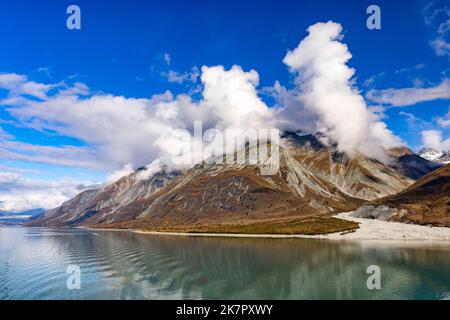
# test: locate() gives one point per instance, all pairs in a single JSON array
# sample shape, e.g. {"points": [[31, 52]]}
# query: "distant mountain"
{"points": [[314, 181], [427, 201], [18, 218], [101, 205], [30, 212], [410, 164], [435, 155]]}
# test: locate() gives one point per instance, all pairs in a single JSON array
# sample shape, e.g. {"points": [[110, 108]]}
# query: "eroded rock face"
{"points": [[359, 177], [383, 213]]}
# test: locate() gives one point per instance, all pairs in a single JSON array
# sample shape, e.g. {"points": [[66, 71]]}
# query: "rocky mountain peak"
{"points": [[434, 155]]}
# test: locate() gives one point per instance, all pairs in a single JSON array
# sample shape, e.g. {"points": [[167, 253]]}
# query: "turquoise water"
{"points": [[126, 265]]}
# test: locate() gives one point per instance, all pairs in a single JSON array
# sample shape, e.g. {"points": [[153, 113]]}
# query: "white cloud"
{"points": [[19, 194], [118, 174], [77, 89], [289, 111], [179, 77], [231, 98], [20, 85], [46, 71], [441, 47], [418, 66], [410, 96], [431, 136], [373, 79], [155, 166], [433, 139], [167, 58], [119, 130], [437, 17], [325, 87], [445, 120], [12, 149]]}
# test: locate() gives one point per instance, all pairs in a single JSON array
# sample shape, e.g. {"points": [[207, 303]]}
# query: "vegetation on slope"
{"points": [[427, 201]]}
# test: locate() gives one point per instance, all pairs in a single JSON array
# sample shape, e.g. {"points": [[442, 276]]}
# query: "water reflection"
{"points": [[125, 265]]}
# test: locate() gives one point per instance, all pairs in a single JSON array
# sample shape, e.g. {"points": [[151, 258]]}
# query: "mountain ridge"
{"points": [[442, 157], [427, 201], [314, 182]]}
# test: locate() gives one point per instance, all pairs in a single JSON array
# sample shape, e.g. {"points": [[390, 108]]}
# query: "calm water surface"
{"points": [[126, 265]]}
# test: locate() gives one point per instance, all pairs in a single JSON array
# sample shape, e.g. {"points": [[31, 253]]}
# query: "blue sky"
{"points": [[143, 48]]}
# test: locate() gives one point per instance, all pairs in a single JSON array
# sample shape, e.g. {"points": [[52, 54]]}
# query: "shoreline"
{"points": [[373, 229], [369, 229]]}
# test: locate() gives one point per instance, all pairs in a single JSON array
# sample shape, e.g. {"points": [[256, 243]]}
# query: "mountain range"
{"points": [[314, 182], [31, 212]]}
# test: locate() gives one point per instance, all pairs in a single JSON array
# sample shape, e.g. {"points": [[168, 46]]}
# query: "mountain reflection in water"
{"points": [[127, 265]]}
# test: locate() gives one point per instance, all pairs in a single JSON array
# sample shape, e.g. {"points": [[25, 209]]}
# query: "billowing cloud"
{"points": [[290, 112], [231, 98], [118, 131], [118, 174], [121, 130], [324, 85]]}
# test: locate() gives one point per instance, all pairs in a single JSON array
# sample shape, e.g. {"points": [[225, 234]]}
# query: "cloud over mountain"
{"points": [[119, 132], [326, 88]]}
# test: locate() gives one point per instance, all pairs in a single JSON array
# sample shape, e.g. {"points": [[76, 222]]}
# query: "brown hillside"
{"points": [[427, 201]]}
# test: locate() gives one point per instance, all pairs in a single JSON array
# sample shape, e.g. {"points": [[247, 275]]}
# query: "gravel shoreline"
{"points": [[369, 229]]}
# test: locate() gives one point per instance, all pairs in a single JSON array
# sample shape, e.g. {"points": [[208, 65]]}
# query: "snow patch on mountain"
{"points": [[435, 155]]}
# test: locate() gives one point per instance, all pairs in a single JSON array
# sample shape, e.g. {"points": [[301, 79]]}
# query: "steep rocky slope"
{"points": [[101, 204], [410, 164], [427, 201], [204, 194], [359, 176]]}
